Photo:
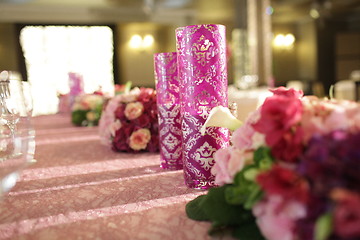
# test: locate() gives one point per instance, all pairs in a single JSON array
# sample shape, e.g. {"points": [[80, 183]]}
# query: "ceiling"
{"points": [[287, 11], [165, 11], [89, 11]]}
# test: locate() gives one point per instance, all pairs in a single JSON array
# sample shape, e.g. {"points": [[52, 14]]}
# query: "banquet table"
{"points": [[81, 189]]}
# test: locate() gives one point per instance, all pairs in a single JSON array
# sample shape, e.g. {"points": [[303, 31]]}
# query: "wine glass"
{"points": [[26, 87], [17, 142]]}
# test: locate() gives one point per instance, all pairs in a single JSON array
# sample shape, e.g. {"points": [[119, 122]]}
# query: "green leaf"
{"points": [[235, 195], [194, 211], [248, 231], [220, 211], [219, 230], [128, 86], [78, 116], [244, 191], [323, 227], [254, 196], [239, 178], [263, 158], [250, 174]]}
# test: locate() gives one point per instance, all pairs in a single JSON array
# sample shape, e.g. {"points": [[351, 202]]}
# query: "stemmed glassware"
{"points": [[17, 144]]}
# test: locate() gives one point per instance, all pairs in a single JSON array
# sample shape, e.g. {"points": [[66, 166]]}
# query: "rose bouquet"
{"points": [[129, 122], [86, 110], [291, 173]]}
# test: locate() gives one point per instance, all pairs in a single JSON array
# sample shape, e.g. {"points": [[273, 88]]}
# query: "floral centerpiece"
{"points": [[129, 122], [291, 173], [87, 108]]}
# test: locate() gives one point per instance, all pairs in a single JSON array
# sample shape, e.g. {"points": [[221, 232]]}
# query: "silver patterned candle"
{"points": [[168, 103], [201, 51]]}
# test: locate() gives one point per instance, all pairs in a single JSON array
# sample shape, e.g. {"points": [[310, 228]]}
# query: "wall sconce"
{"points": [[284, 41], [141, 43]]}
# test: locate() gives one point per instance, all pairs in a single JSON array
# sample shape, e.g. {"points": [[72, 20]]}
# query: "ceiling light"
{"points": [[135, 41], [314, 13], [148, 41]]}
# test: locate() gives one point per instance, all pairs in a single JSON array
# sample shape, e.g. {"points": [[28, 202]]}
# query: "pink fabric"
{"points": [[80, 189]]}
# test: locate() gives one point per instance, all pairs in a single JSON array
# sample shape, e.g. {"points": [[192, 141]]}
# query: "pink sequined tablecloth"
{"points": [[80, 189]]}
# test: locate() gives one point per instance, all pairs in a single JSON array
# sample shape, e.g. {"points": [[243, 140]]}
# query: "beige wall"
{"points": [[307, 51], [8, 47], [347, 54], [285, 60], [300, 62], [137, 65]]}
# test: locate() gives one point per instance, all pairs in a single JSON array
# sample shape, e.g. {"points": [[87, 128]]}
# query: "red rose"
{"points": [[120, 146], [148, 106], [128, 129], [146, 94], [143, 121], [277, 115], [154, 111], [153, 145], [155, 128], [347, 214], [120, 112], [290, 146], [119, 142], [284, 182]]}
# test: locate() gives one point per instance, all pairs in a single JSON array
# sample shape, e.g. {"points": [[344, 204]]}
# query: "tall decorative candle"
{"points": [[202, 71], [168, 103]]}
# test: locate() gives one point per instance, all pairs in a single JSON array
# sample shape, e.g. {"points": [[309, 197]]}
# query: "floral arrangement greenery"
{"points": [[292, 172], [87, 108], [122, 88], [129, 122]]}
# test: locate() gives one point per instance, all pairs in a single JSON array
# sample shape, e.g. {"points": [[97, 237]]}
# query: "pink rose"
{"points": [[277, 218], [311, 125], [114, 126], [130, 96], [133, 110], [323, 117], [336, 120], [278, 115], [353, 114], [139, 139], [228, 162], [287, 92], [242, 137], [107, 118]]}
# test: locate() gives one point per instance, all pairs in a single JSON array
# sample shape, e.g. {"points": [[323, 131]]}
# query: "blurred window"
{"points": [[51, 52]]}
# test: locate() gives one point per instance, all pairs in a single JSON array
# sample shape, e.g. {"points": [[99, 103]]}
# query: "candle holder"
{"points": [[201, 55], [168, 103]]}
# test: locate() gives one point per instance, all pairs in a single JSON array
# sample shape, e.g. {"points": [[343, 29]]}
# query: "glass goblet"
{"points": [[16, 131]]}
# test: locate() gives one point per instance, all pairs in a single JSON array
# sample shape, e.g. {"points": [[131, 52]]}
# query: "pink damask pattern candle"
{"points": [[168, 103], [202, 71]]}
